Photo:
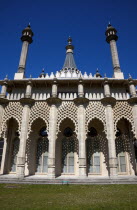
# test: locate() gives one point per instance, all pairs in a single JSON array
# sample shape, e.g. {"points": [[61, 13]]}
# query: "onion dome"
{"points": [[98, 75], [111, 33], [27, 34], [42, 73]]}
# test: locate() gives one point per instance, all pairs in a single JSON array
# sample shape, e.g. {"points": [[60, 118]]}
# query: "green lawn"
{"points": [[14, 196]]}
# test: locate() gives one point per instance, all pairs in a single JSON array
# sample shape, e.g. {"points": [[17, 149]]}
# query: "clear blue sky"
{"points": [[52, 21]]}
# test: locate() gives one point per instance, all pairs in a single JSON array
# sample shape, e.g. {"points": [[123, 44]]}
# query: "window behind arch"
{"points": [[42, 155], [15, 151]]}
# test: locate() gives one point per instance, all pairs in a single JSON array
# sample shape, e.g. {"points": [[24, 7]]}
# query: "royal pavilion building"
{"points": [[68, 124]]}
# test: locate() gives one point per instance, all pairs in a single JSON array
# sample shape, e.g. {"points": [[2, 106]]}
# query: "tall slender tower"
{"points": [[111, 38], [26, 38]]}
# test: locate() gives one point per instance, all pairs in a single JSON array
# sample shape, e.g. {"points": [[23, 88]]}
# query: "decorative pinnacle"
{"points": [[97, 73], [6, 78], [69, 40], [42, 73], [129, 76], [69, 46], [109, 24]]}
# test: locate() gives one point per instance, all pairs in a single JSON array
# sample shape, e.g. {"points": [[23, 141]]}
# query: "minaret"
{"points": [[26, 38], [111, 38], [69, 60]]}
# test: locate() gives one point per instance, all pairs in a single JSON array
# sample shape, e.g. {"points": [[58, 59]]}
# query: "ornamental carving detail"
{"points": [[122, 109]]}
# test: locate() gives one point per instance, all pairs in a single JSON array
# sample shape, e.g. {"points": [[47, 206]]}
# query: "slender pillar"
{"points": [[111, 38], [27, 103], [80, 89], [106, 87], [3, 100], [28, 89], [108, 102], [26, 38], [133, 102], [54, 88], [23, 139], [82, 140], [54, 103], [52, 140], [81, 102]]}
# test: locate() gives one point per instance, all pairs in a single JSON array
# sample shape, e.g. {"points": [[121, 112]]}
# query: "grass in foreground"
{"points": [[15, 196]]}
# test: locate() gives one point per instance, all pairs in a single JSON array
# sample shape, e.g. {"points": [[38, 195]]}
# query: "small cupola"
{"points": [[111, 33], [27, 34]]}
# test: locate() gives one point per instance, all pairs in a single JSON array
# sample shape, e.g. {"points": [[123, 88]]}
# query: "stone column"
{"points": [[23, 139], [28, 89], [3, 103], [133, 102], [54, 103], [3, 100], [109, 102], [52, 140], [82, 140], [26, 102], [81, 102]]}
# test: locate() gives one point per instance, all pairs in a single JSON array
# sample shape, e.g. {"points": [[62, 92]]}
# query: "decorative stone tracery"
{"points": [[12, 110], [95, 109], [123, 110], [39, 110], [67, 110]]}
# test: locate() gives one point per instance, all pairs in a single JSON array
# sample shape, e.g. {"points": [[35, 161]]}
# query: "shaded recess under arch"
{"points": [[66, 152], [125, 147], [12, 146], [96, 149], [37, 148]]}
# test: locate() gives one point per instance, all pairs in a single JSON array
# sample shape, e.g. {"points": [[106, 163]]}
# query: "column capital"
{"points": [[132, 100], [3, 101], [53, 100], [81, 101], [108, 101], [27, 101]]}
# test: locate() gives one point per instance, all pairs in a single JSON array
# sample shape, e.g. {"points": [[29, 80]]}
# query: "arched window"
{"points": [[120, 150], [1, 150], [121, 162], [15, 151], [42, 155], [93, 152], [68, 149]]}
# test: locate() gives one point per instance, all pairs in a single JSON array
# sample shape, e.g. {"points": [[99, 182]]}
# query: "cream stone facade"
{"points": [[68, 124]]}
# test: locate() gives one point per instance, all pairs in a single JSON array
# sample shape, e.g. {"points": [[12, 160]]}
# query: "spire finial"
{"points": [[29, 25], [97, 73], [69, 40], [42, 73], [6, 78], [129, 76], [70, 46]]}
